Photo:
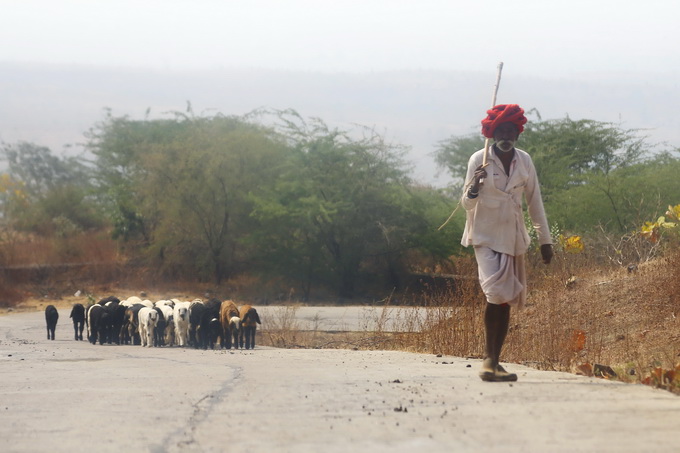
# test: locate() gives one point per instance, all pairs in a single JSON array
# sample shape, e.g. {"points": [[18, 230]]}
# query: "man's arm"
{"points": [[532, 192], [473, 184]]}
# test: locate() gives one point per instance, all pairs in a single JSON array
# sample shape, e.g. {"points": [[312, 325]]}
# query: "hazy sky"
{"points": [[607, 60], [538, 37]]}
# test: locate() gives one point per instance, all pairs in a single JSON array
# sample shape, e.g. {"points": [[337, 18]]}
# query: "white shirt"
{"points": [[494, 218]]}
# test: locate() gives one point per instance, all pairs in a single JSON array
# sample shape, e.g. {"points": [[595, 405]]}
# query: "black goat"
{"points": [[51, 317], [196, 312], [159, 331], [78, 317], [99, 324]]}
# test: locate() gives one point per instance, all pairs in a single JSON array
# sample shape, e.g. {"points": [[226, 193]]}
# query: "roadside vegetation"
{"points": [[276, 208]]}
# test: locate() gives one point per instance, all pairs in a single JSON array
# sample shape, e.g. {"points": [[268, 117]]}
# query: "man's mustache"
{"points": [[505, 145]]}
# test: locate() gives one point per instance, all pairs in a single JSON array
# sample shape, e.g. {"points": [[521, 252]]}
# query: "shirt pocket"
{"points": [[517, 188], [519, 182]]}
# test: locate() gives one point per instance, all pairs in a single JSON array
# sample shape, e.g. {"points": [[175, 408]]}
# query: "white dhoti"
{"points": [[502, 276]]}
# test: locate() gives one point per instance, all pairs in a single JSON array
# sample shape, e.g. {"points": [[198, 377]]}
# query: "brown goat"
{"points": [[231, 324], [249, 321]]}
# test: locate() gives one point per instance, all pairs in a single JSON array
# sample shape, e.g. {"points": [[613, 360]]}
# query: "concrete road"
{"points": [[65, 396], [349, 318]]}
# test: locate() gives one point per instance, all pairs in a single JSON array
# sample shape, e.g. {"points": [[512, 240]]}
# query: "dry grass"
{"points": [[580, 317], [606, 321], [25, 250]]}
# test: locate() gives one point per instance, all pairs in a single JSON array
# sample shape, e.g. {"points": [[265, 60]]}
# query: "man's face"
{"points": [[505, 136]]}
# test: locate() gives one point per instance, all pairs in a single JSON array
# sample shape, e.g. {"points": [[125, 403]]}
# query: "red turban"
{"points": [[504, 113]]}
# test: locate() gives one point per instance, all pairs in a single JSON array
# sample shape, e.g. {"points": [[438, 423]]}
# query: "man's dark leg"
{"points": [[496, 323]]}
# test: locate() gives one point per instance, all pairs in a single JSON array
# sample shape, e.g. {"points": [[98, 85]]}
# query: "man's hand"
{"points": [[547, 253], [479, 174]]}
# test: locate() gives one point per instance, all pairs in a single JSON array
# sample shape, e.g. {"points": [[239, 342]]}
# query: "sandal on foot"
{"points": [[488, 376], [504, 376], [497, 374]]}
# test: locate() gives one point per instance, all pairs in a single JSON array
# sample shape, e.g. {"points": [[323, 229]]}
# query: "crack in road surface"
{"points": [[202, 410]]}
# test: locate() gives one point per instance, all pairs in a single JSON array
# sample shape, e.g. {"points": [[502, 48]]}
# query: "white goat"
{"points": [[148, 318], [181, 318], [159, 303]]}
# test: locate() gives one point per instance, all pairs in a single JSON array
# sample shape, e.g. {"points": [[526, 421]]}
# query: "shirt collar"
{"points": [[498, 160]]}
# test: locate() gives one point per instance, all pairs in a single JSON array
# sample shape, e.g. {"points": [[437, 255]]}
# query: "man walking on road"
{"points": [[492, 198]]}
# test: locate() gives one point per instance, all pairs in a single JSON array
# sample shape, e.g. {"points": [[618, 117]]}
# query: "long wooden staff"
{"points": [[493, 104], [486, 142]]}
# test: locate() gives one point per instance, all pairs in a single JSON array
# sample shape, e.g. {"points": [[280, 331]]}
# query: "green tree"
{"points": [[119, 144], [622, 199], [54, 192], [183, 186], [568, 153], [204, 197], [39, 169], [338, 206]]}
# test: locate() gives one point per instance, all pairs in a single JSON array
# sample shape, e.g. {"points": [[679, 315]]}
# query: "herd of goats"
{"points": [[198, 324]]}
